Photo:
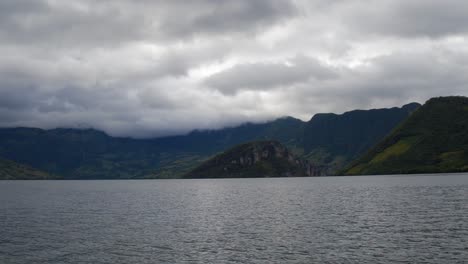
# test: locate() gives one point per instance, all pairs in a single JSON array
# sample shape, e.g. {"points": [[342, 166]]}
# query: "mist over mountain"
{"points": [[135, 69], [328, 141]]}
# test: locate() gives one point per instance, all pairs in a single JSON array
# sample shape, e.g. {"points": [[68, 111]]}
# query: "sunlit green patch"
{"points": [[396, 149], [356, 169]]}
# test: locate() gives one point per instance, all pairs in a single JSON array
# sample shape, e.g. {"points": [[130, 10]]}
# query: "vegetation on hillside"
{"points": [[253, 159], [328, 140], [10, 170], [335, 140], [433, 139], [91, 154]]}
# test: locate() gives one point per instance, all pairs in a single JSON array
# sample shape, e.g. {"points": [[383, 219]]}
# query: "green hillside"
{"points": [[434, 139], [92, 154], [254, 159], [328, 140], [10, 170], [333, 141]]}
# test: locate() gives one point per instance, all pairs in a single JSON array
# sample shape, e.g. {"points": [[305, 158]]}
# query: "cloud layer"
{"points": [[152, 68]]}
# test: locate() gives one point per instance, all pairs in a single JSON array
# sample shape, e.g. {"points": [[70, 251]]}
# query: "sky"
{"points": [[152, 68]]}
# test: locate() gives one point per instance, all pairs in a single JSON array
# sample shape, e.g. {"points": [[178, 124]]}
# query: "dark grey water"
{"points": [[410, 219]]}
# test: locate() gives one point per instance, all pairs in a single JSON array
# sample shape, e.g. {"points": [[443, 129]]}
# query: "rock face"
{"points": [[255, 159]]}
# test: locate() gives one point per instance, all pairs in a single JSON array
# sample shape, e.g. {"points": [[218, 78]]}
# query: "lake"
{"points": [[368, 219]]}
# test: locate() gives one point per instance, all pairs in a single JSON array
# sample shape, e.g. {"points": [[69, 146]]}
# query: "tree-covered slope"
{"points": [[335, 140], [10, 170], [327, 140], [434, 139], [91, 154], [253, 159]]}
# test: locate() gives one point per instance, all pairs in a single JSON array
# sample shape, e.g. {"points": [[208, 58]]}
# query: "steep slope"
{"points": [[254, 159], [434, 139], [335, 140], [91, 154], [10, 170]]}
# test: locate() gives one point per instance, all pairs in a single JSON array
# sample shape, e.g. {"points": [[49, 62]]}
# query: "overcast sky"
{"points": [[153, 67]]}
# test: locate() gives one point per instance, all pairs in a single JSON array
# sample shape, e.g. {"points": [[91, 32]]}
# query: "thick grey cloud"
{"points": [[153, 67], [389, 80], [416, 18], [269, 75], [89, 22]]}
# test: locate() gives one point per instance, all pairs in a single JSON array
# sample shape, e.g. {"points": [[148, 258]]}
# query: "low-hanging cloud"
{"points": [[154, 68]]}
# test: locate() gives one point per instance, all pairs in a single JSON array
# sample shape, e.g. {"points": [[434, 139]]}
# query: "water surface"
{"points": [[370, 219]]}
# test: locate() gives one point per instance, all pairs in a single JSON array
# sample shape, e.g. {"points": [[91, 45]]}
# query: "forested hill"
{"points": [[92, 154], [327, 140], [434, 139], [254, 159], [10, 170], [335, 140]]}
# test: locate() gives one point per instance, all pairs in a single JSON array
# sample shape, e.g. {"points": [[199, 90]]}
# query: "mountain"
{"points": [[335, 140], [253, 159], [10, 170], [434, 139], [92, 154], [327, 140]]}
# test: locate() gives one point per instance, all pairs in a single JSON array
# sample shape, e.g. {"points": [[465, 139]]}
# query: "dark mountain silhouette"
{"points": [[254, 159], [328, 140]]}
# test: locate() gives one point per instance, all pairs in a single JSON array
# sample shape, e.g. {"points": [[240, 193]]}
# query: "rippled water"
{"points": [[380, 219]]}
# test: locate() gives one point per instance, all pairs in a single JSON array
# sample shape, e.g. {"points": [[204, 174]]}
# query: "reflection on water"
{"points": [[370, 219]]}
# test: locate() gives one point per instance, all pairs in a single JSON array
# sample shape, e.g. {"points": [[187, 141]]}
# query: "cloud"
{"points": [[153, 68], [268, 75], [103, 23], [418, 18], [221, 17], [389, 80]]}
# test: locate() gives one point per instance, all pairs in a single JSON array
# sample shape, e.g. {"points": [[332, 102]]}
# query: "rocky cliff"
{"points": [[255, 159]]}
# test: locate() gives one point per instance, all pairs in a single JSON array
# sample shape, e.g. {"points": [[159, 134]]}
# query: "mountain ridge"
{"points": [[433, 139], [335, 140], [93, 154]]}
